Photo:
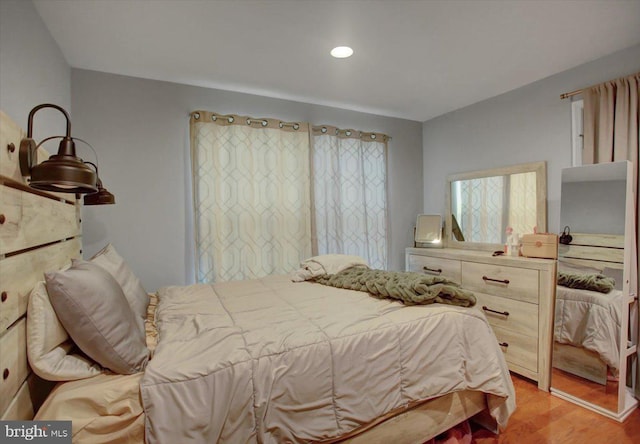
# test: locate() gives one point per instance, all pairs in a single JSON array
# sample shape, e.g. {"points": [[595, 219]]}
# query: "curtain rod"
{"points": [[580, 91], [570, 94]]}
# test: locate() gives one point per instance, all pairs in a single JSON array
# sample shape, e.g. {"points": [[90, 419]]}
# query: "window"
{"points": [[252, 197], [264, 202], [350, 194]]}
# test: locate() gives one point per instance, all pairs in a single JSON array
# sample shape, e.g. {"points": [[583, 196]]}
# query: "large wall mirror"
{"points": [[482, 204], [590, 364]]}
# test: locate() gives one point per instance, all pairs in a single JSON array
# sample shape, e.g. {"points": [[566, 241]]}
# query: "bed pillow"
{"points": [[52, 355], [109, 259], [94, 311]]}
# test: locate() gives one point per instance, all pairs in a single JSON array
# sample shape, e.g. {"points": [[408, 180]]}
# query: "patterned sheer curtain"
{"points": [[251, 189], [612, 133], [480, 212], [350, 193], [483, 207], [522, 202]]}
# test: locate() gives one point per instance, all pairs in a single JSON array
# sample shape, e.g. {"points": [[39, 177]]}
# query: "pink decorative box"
{"points": [[544, 245]]}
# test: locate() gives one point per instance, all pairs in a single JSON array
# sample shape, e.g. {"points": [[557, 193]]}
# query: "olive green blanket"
{"points": [[593, 282], [407, 287]]}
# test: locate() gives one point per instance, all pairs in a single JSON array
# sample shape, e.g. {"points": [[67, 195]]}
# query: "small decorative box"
{"points": [[544, 245]]}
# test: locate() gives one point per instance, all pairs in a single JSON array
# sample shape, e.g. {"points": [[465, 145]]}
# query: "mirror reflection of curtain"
{"points": [[252, 196], [522, 202], [611, 133], [479, 214], [349, 193], [483, 207]]}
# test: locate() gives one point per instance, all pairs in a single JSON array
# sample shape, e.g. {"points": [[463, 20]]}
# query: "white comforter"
{"points": [[591, 320], [269, 360]]}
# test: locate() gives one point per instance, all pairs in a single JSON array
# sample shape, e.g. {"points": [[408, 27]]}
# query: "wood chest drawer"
{"points": [[500, 280], [522, 287], [14, 368], [518, 349], [435, 266], [520, 317]]}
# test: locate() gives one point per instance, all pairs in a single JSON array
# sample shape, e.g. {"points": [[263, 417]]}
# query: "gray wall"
{"points": [[32, 70], [594, 207], [139, 129], [524, 125]]}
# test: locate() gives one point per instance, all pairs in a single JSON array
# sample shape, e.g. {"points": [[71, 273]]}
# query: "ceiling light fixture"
{"points": [[341, 52]]}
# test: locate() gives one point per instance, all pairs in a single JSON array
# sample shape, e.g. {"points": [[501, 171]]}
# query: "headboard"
{"points": [[597, 251], [39, 232]]}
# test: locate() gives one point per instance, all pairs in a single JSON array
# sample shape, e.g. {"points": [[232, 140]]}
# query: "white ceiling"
{"points": [[413, 59]]}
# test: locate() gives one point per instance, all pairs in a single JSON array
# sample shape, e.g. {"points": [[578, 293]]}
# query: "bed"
{"points": [[587, 323], [267, 360]]}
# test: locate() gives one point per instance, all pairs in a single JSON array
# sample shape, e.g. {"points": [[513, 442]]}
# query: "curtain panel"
{"points": [[480, 216], [350, 193], [522, 203], [611, 133], [251, 191]]}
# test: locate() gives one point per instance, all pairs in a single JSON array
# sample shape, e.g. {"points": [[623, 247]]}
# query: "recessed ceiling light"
{"points": [[341, 52]]}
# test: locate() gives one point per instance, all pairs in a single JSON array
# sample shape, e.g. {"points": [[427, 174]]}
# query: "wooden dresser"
{"points": [[516, 294]]}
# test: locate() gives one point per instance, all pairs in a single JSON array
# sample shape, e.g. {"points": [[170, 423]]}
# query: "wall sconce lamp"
{"points": [[63, 172], [102, 197]]}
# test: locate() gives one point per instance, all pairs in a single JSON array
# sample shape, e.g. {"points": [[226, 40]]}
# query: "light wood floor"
{"points": [[543, 418]]}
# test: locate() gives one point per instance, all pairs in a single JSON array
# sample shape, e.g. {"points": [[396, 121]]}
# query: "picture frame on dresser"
{"points": [[516, 293]]}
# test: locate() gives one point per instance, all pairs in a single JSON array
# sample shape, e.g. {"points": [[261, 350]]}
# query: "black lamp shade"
{"points": [[64, 172], [102, 197]]}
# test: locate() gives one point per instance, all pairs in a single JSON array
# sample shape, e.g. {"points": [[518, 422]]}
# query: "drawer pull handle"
{"points": [[5, 374], [503, 313], [432, 270], [3, 296], [503, 344], [501, 281]]}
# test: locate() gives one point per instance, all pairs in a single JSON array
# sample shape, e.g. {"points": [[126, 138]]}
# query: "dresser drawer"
{"points": [[499, 280], [520, 317], [435, 266], [13, 362], [522, 287], [518, 349]]}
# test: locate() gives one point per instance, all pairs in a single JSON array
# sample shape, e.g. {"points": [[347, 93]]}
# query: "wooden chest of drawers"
{"points": [[516, 294]]}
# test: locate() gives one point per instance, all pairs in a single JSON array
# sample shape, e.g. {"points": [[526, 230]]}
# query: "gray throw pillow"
{"points": [[109, 259], [94, 311]]}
